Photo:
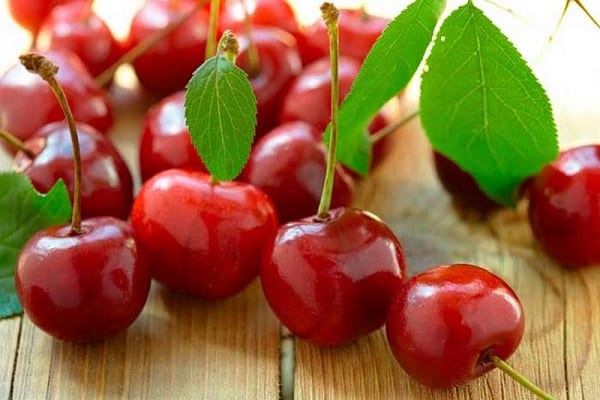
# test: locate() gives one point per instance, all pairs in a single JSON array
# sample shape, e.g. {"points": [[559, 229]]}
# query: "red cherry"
{"points": [[168, 66], [31, 13], [165, 141], [279, 64], [288, 164], [107, 186], [201, 237], [21, 91], [75, 27], [82, 287], [358, 31], [564, 207], [445, 322], [332, 281]]}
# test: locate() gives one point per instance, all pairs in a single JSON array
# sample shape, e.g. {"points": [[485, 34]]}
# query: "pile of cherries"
{"points": [[330, 277]]}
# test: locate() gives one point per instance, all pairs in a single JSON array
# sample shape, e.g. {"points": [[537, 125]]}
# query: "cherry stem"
{"points": [[40, 65], [253, 58], [211, 42], [105, 77], [330, 15], [229, 46], [383, 132], [526, 383], [15, 142]]}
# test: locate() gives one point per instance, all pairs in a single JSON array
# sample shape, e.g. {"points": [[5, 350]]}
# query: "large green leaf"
{"points": [[482, 106], [220, 112], [387, 69], [23, 212]]}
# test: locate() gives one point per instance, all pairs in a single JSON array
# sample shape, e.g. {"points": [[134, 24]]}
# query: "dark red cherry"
{"points": [[288, 164], [31, 13], [446, 321], [202, 238], [165, 141], [564, 207], [358, 32], [83, 287], [107, 186], [27, 103], [279, 64], [332, 281], [168, 66], [77, 28]]}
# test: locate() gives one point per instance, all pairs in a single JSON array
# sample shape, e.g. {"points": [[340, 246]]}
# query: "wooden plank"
{"points": [[180, 347], [9, 337]]}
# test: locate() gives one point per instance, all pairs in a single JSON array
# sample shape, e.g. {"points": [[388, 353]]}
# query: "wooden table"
{"points": [[185, 348]]}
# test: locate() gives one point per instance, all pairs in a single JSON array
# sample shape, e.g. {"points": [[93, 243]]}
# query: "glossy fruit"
{"points": [[165, 142], [202, 238], [75, 27], [27, 103], [332, 281], [85, 287], [564, 207], [358, 31], [107, 186], [31, 13], [279, 64], [168, 66], [288, 164], [445, 321]]}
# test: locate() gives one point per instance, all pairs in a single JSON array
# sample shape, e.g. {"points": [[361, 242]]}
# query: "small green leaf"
{"points": [[23, 212], [387, 69], [482, 106], [220, 112]]}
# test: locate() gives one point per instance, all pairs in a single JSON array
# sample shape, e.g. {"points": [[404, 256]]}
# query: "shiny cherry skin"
{"points": [[168, 66], [358, 32], [85, 287], [77, 28], [564, 207], [107, 186], [461, 186], [332, 281], [279, 64], [288, 164], [445, 321], [31, 13], [27, 103], [165, 142], [202, 238]]}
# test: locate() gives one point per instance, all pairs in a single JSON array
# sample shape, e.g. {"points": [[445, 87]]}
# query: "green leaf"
{"points": [[482, 106], [387, 69], [23, 212], [220, 112]]}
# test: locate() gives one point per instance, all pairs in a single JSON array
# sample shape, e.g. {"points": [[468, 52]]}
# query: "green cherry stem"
{"points": [[330, 15], [43, 67], [253, 58], [526, 383], [105, 77], [386, 130], [15, 142], [212, 28]]}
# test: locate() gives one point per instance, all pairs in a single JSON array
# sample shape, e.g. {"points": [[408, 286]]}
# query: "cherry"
{"points": [[107, 186], [165, 141], [31, 13], [168, 66], [289, 164], [21, 91], [201, 237], [75, 27], [279, 64], [358, 32], [564, 207], [85, 281]]}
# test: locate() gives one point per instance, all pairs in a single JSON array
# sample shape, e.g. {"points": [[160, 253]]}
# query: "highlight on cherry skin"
{"points": [[445, 322]]}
